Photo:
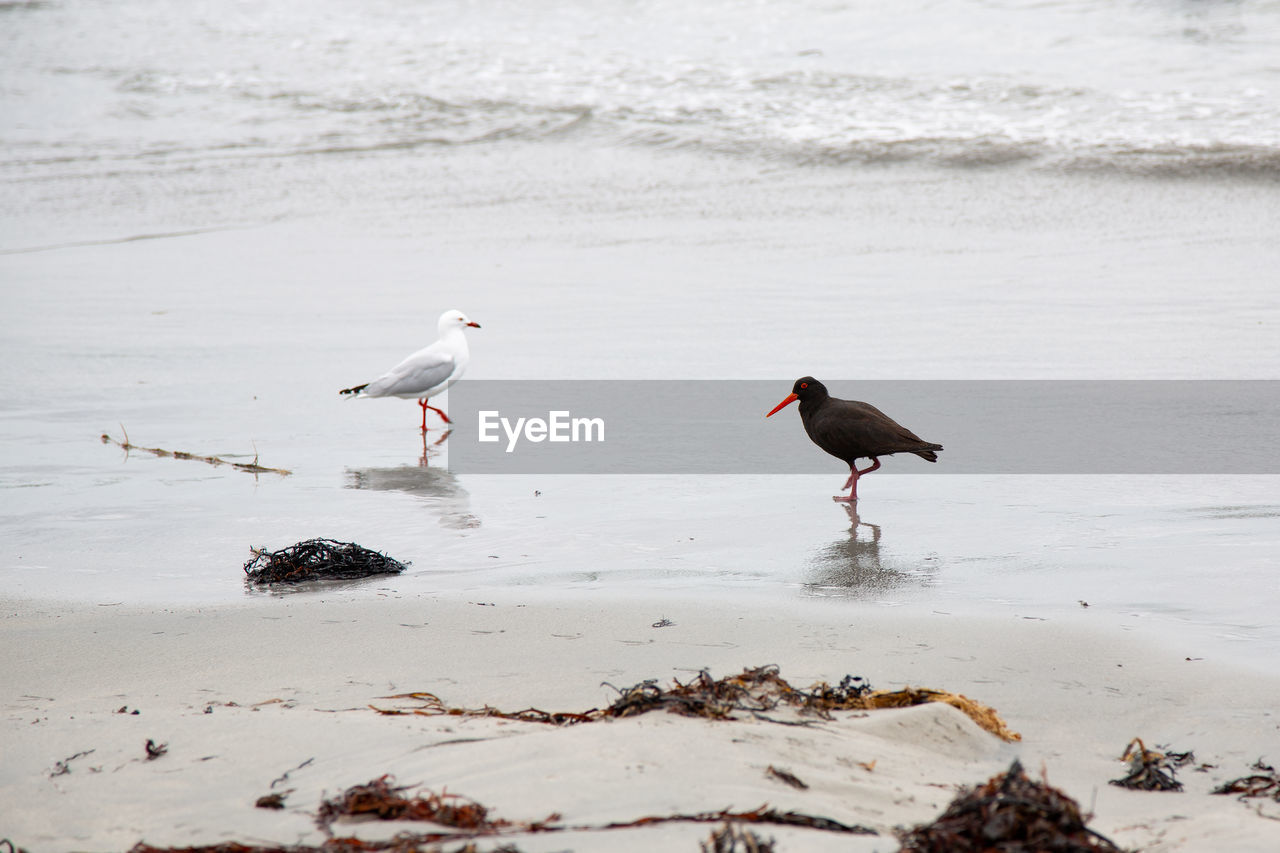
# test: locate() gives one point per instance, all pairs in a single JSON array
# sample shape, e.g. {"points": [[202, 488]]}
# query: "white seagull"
{"points": [[428, 371]]}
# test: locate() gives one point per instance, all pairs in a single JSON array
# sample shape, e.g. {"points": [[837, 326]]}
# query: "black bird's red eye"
{"points": [[804, 384]]}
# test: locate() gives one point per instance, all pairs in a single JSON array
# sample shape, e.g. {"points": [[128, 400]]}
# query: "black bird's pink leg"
{"points": [[852, 483]]}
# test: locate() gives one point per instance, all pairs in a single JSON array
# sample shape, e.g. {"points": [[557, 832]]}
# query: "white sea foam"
{"points": [[1163, 89]]}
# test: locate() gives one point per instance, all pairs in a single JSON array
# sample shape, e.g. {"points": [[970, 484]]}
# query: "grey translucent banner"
{"points": [[986, 427]]}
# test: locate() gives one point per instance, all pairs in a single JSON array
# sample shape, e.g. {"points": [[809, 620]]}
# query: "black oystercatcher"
{"points": [[849, 430]]}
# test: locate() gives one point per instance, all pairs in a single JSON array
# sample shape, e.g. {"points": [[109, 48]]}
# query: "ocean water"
{"points": [[215, 216], [1182, 87]]}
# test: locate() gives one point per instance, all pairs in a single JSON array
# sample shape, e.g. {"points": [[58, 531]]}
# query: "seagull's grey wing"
{"points": [[421, 372]]}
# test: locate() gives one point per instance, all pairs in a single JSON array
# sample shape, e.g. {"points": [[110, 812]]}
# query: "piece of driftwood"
{"points": [[252, 467], [1011, 814], [755, 691], [318, 559]]}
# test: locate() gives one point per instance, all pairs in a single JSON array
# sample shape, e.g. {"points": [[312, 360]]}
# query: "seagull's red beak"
{"points": [[474, 325], [791, 398]]}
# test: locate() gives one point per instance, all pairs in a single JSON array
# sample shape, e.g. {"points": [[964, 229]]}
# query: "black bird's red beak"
{"points": [[791, 398]]}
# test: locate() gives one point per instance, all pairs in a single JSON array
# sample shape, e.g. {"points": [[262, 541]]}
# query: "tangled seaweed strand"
{"points": [[318, 559], [704, 696], [755, 691], [732, 838], [1150, 770], [252, 467], [405, 843], [382, 799], [432, 705], [462, 819], [763, 814], [1012, 814], [1264, 783]]}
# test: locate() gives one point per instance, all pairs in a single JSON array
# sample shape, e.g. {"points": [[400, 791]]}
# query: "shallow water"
{"points": [[202, 245]]}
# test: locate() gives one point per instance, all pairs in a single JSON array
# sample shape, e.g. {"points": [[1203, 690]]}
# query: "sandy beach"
{"points": [[281, 690]]}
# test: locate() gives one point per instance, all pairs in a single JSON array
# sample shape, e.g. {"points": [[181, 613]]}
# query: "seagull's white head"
{"points": [[451, 320]]}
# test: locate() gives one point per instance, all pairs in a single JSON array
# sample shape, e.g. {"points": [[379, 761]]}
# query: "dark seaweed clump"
{"points": [[318, 559], [384, 800], [1012, 814], [1150, 770]]}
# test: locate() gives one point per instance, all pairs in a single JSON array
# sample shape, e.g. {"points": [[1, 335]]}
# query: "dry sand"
{"points": [[241, 695]]}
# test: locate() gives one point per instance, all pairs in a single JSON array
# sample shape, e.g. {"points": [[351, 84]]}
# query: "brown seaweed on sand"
{"points": [[732, 838], [755, 691], [318, 559], [272, 801], [403, 843], [462, 819], [764, 814], [1265, 783], [63, 767], [384, 800], [1150, 770], [1012, 814], [786, 776]]}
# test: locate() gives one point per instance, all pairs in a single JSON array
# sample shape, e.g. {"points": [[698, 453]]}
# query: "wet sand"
{"points": [[586, 262]]}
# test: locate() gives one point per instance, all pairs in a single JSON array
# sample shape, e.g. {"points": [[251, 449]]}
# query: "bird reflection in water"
{"points": [[428, 450], [853, 565], [437, 487]]}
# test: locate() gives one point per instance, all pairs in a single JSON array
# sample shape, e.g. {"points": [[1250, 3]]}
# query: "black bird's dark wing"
{"points": [[851, 429]]}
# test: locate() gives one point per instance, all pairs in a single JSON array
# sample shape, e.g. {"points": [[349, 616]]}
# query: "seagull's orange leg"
{"points": [[423, 404]]}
